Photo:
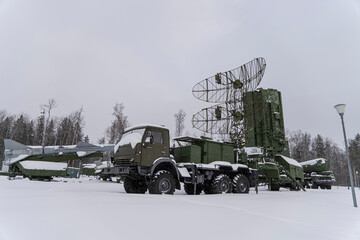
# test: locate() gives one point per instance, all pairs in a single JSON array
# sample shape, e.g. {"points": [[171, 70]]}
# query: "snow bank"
{"points": [[76, 209]]}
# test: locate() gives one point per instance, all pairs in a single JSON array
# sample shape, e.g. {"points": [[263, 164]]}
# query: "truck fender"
{"points": [[166, 164]]}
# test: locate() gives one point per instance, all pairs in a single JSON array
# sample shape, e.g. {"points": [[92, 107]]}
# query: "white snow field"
{"points": [[88, 208]]}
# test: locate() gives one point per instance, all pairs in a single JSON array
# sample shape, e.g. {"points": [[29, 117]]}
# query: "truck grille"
{"points": [[122, 162]]}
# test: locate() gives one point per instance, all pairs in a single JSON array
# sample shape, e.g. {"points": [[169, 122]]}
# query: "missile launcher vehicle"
{"points": [[36, 162], [317, 174]]}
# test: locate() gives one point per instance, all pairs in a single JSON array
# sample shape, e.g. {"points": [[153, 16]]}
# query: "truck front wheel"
{"points": [[162, 182], [240, 184]]}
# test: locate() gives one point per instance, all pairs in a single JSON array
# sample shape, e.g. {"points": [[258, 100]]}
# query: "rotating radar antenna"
{"points": [[227, 90]]}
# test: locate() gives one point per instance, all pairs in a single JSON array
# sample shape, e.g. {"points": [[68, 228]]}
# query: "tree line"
{"points": [[47, 130]]}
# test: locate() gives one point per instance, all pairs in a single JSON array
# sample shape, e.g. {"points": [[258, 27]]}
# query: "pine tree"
{"points": [[40, 124], [354, 152], [319, 147]]}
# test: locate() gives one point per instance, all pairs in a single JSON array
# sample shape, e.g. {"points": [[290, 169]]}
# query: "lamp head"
{"points": [[340, 108]]}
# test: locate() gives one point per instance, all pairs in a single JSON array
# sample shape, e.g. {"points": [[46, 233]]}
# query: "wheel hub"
{"points": [[164, 185], [224, 187]]}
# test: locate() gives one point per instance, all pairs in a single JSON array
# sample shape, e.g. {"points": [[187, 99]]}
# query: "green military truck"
{"points": [[145, 161], [317, 174]]}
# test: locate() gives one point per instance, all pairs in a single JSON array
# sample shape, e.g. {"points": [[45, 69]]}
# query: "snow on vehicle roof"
{"points": [[253, 150], [42, 165], [313, 161], [291, 161], [202, 138], [89, 165], [143, 125]]}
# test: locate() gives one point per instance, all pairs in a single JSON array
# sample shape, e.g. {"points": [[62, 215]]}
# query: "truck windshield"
{"points": [[132, 137]]}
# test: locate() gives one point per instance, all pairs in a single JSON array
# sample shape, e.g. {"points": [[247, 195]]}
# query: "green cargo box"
{"points": [[203, 150], [188, 154], [42, 169]]}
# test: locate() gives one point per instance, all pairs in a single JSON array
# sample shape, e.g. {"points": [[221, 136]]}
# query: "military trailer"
{"points": [[36, 162], [143, 159], [317, 174]]}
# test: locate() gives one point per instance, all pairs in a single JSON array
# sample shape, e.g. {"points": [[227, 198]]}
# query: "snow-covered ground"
{"points": [[87, 208]]}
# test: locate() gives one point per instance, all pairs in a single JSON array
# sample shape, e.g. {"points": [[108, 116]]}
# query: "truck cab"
{"points": [[142, 159], [141, 145]]}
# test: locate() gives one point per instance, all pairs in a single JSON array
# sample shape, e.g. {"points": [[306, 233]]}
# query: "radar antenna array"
{"points": [[227, 89], [229, 86]]}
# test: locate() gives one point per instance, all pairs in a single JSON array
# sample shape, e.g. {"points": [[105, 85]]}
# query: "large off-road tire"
{"points": [[328, 186], [275, 187], [189, 188], [162, 182], [314, 186], [141, 186], [134, 186], [221, 184], [240, 184]]}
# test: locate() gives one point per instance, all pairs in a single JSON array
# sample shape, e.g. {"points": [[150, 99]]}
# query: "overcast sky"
{"points": [[148, 55]]}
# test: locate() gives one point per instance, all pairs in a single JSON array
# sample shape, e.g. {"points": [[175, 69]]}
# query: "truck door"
{"points": [[154, 147]]}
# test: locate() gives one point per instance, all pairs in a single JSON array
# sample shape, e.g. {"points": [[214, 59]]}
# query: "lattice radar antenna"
{"points": [[227, 89]]}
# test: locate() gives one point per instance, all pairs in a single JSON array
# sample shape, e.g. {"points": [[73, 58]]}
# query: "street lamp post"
{"points": [[340, 108]]}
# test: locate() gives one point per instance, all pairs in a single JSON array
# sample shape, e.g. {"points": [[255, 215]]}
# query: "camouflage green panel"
{"points": [[88, 171], [295, 169], [188, 154], [217, 151], [264, 121], [268, 170]]}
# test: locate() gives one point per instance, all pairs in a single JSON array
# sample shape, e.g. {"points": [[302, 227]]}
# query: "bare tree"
{"points": [[179, 122], [78, 122], [47, 108], [118, 125]]}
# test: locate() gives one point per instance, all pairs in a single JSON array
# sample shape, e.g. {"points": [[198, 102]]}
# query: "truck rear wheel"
{"points": [[162, 182], [134, 186], [189, 188], [240, 184], [221, 184]]}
